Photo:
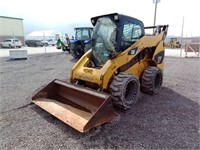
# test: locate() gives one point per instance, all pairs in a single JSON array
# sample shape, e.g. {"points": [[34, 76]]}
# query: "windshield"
{"points": [[82, 34], [103, 40]]}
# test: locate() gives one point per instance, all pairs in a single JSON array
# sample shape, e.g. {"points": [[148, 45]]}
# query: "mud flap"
{"points": [[81, 108]]}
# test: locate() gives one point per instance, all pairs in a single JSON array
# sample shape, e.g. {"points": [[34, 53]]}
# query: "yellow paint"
{"points": [[102, 76]]}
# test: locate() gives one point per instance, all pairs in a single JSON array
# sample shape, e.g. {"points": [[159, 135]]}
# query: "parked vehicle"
{"points": [[49, 42], [174, 43], [82, 41], [34, 43], [64, 45], [11, 43]]}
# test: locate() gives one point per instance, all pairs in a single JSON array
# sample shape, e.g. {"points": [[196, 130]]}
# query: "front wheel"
{"points": [[152, 80], [125, 90]]}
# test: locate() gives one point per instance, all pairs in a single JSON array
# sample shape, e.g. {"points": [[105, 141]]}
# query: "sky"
{"points": [[64, 15]]}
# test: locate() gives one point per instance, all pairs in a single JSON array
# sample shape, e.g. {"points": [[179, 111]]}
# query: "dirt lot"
{"points": [[169, 120]]}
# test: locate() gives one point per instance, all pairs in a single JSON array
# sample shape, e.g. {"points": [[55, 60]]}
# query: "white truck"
{"points": [[49, 42]]}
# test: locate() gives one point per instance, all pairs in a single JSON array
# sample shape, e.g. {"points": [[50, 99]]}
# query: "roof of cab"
{"points": [[121, 18]]}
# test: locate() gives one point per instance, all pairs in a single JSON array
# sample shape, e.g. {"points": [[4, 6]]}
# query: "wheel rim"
{"points": [[131, 92]]}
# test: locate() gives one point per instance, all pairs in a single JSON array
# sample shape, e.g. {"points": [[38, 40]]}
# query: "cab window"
{"points": [[131, 33]]}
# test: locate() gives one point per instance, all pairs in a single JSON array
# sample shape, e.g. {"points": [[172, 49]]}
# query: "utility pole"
{"points": [[14, 38], [44, 43], [156, 2], [182, 36]]}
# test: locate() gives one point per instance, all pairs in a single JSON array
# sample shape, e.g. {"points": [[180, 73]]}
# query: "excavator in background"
{"points": [[82, 41], [122, 61]]}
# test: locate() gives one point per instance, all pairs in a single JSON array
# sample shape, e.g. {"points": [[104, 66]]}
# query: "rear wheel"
{"points": [[76, 51], [87, 47], [152, 79], [125, 90]]}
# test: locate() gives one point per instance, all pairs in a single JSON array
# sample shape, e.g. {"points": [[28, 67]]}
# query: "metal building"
{"points": [[11, 28]]}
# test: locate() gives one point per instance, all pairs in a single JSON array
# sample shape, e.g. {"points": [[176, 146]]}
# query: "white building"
{"points": [[11, 28], [44, 35]]}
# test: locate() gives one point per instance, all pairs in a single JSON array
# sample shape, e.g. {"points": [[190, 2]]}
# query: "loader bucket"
{"points": [[77, 106]]}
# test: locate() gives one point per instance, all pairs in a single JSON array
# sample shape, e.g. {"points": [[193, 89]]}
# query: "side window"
{"points": [[137, 31], [131, 33], [127, 31], [7, 41]]}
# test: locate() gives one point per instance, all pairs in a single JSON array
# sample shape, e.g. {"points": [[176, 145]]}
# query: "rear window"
{"points": [[16, 40]]}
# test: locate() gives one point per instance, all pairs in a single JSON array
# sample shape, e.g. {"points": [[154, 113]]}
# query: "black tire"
{"points": [[152, 80], [63, 49], [87, 47], [58, 47], [67, 48], [76, 51], [125, 89]]}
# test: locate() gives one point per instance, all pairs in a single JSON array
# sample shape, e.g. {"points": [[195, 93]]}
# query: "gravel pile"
{"points": [[169, 120]]}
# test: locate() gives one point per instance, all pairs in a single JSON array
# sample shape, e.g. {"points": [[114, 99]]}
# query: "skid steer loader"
{"points": [[122, 61]]}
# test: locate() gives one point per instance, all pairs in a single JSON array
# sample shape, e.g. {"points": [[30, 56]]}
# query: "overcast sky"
{"points": [[64, 15]]}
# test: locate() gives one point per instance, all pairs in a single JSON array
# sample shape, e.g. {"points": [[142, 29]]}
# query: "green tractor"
{"points": [[63, 45], [82, 41]]}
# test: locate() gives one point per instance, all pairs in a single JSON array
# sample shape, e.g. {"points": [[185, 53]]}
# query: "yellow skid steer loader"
{"points": [[122, 61]]}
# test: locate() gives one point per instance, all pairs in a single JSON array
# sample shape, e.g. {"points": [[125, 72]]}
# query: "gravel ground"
{"points": [[168, 120]]}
